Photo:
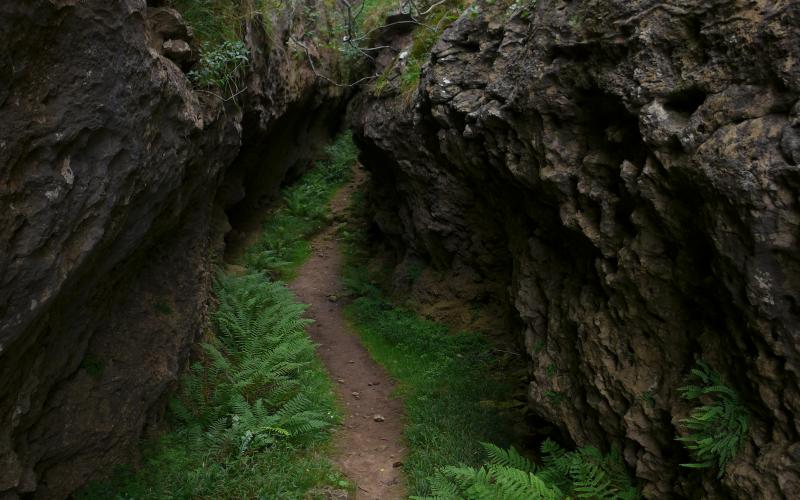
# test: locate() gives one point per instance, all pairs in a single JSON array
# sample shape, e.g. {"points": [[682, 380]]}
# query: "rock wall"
{"points": [[110, 165], [626, 171]]}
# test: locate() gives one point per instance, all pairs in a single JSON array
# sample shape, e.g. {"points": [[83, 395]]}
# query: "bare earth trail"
{"points": [[370, 441]]}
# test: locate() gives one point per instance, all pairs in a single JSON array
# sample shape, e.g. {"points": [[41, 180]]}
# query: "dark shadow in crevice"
{"points": [[685, 101], [269, 159]]}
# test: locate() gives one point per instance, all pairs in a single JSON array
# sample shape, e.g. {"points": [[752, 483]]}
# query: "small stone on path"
{"points": [[378, 418]]}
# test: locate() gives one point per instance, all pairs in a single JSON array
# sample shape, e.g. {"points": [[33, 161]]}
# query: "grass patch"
{"points": [[373, 13], [448, 385], [455, 390], [213, 21], [253, 414], [284, 244]]}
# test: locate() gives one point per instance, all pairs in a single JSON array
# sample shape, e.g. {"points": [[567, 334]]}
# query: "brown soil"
{"points": [[369, 452]]}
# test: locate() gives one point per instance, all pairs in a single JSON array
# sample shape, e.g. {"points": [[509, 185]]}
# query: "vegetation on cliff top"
{"points": [[424, 37], [217, 25]]}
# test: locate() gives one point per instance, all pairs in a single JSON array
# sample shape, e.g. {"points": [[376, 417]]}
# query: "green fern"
{"points": [[508, 458], [252, 407], [583, 473], [247, 392], [717, 429]]}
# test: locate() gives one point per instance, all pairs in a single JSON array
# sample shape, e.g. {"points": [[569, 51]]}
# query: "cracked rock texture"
{"points": [[110, 165], [625, 174]]}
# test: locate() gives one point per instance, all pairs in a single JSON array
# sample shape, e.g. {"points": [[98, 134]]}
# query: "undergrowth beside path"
{"points": [[253, 416], [447, 382], [453, 385]]}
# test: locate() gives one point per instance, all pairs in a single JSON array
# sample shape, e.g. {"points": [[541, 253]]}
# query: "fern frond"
{"points": [[508, 458], [718, 429]]}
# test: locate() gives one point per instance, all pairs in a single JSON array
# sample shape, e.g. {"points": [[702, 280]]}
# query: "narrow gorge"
{"points": [[574, 232]]}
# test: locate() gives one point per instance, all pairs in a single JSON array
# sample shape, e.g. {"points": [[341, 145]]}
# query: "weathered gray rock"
{"points": [[179, 52], [166, 23], [627, 173], [111, 217]]}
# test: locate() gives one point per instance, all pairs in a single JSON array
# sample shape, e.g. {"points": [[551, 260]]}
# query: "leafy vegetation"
{"points": [[424, 39], [718, 428], [583, 473], [372, 13], [253, 414], [218, 26], [222, 66], [213, 21], [284, 245], [449, 384], [251, 410]]}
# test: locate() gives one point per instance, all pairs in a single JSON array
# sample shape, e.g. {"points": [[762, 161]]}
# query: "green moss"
{"points": [[163, 307], [425, 38], [555, 397], [373, 14], [93, 365]]}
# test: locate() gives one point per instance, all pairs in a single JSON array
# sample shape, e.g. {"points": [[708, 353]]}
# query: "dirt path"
{"points": [[369, 446]]}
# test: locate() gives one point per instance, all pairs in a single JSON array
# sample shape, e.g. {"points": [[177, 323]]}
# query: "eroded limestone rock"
{"points": [[111, 216], [625, 173]]}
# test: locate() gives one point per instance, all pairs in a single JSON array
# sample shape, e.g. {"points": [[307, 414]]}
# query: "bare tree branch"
{"points": [[352, 38], [327, 78]]}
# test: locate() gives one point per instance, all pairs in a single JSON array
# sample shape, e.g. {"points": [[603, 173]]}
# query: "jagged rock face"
{"points": [[109, 167], [629, 170]]}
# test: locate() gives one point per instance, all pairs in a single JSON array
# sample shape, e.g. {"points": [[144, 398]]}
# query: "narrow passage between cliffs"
{"points": [[369, 446]]}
